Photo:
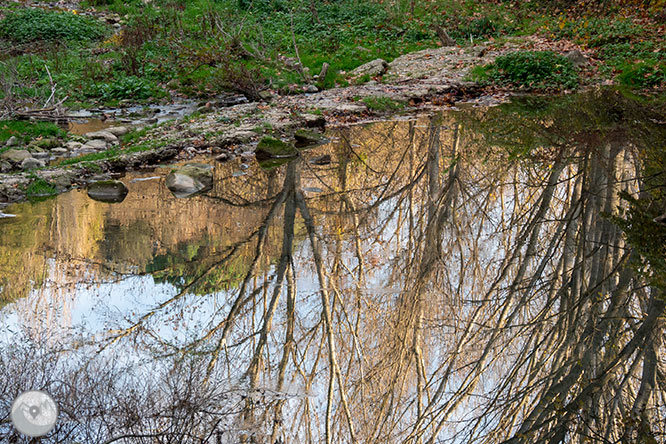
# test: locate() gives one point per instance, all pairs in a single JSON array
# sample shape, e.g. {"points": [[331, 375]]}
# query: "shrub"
{"points": [[530, 69], [643, 74], [129, 87], [29, 25]]}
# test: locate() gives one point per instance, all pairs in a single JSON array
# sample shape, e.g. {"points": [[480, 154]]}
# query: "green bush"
{"points": [[129, 87], [530, 69], [29, 25], [643, 74]]}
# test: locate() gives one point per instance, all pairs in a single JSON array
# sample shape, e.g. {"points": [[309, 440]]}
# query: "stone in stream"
{"points": [[15, 156], [104, 135], [190, 179], [59, 151], [374, 68], [270, 147], [110, 191], [306, 138]]}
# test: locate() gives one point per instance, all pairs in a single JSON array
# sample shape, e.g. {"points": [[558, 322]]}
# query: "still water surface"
{"points": [[452, 278]]}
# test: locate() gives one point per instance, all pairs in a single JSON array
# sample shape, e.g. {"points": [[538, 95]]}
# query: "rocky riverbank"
{"points": [[423, 81]]}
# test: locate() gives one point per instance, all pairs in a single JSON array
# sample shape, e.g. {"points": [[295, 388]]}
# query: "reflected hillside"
{"points": [[487, 275]]}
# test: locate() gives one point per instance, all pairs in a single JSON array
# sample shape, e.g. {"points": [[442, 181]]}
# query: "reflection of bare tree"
{"points": [[436, 290]]}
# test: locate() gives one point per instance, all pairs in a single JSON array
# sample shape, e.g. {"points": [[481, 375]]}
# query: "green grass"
{"points": [[382, 104], [40, 188], [27, 131], [198, 48]]}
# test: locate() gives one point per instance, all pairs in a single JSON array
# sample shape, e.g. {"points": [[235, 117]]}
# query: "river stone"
{"points": [[309, 138], [111, 191], [12, 141], [310, 89], [15, 156], [270, 147], [190, 179], [95, 144], [375, 68], [72, 146], [59, 151], [117, 130], [5, 167], [31, 163], [104, 135]]}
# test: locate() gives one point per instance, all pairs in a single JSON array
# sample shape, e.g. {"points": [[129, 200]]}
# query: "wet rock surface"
{"points": [[111, 191], [190, 179]]}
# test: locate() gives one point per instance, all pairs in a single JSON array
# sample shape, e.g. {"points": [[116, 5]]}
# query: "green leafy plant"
{"points": [[529, 69], [25, 131], [29, 25], [382, 103], [643, 74]]}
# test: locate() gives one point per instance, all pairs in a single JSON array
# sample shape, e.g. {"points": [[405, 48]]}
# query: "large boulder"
{"points": [[190, 179], [375, 68], [270, 148], [15, 156], [111, 191]]}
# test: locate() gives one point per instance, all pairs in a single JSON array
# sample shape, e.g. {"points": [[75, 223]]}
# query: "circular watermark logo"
{"points": [[34, 413]]}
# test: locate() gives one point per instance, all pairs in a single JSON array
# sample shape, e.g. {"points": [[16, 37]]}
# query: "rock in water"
{"points": [[375, 68], [111, 191], [190, 179], [306, 138], [270, 147]]}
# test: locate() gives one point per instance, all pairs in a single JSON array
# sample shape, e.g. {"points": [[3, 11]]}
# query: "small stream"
{"points": [[452, 278]]}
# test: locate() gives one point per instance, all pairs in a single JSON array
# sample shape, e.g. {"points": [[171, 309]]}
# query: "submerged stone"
{"points": [[111, 191], [190, 179]]}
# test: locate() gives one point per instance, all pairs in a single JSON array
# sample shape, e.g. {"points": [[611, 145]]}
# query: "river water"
{"points": [[480, 275]]}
